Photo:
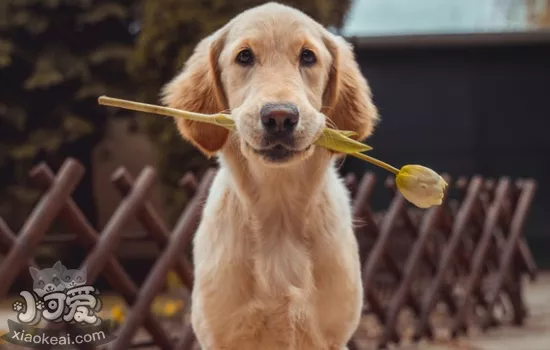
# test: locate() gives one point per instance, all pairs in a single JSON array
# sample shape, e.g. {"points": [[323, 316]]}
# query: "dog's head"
{"points": [[283, 77]]}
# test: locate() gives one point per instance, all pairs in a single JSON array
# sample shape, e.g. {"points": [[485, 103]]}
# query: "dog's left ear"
{"points": [[198, 89], [347, 98]]}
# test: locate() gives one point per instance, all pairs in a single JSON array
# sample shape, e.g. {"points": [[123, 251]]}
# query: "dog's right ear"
{"points": [[198, 89], [348, 97], [58, 266], [34, 272]]}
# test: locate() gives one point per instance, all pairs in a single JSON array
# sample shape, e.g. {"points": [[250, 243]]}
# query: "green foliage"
{"points": [[170, 29], [56, 57]]}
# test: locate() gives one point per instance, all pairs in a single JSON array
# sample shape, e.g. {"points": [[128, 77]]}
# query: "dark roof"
{"points": [[449, 40]]}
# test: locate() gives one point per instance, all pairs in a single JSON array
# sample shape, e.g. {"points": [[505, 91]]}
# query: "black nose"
{"points": [[279, 117]]}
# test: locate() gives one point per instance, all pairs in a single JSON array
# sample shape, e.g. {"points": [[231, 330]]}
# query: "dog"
{"points": [[73, 277], [275, 257], [47, 280]]}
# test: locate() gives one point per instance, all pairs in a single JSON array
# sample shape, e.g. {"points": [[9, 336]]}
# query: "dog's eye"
{"points": [[245, 57], [307, 58]]}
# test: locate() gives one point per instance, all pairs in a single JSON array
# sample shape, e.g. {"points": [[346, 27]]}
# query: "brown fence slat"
{"points": [[462, 220], [480, 254], [8, 240], [378, 254], [38, 222], [97, 258], [415, 257], [86, 236], [179, 240], [158, 231], [516, 227]]}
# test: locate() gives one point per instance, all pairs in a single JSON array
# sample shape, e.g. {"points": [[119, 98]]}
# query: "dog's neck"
{"points": [[282, 207], [279, 195]]}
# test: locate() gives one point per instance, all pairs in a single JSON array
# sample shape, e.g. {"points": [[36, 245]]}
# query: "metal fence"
{"points": [[468, 254]]}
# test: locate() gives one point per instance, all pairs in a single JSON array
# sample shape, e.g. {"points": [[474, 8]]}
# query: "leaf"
{"points": [[54, 66], [22, 3], [102, 12], [24, 151], [23, 193], [16, 116], [21, 18], [6, 48], [110, 52], [76, 127], [90, 90], [51, 3], [48, 140], [84, 4], [348, 133], [45, 74], [37, 25], [338, 141]]}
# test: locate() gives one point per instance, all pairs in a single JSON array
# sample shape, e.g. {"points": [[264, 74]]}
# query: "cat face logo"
{"points": [[56, 279], [73, 278], [47, 280]]}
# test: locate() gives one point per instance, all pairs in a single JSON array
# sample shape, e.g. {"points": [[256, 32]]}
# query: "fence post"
{"points": [[39, 221]]}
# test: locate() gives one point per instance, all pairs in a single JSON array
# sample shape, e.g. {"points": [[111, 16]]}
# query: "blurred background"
{"points": [[462, 86]]}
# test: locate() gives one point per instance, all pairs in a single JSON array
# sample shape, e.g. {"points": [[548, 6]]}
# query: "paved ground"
{"points": [[534, 335]]}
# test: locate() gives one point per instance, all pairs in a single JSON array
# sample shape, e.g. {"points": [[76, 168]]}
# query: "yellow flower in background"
{"points": [[118, 314], [166, 307], [421, 186], [171, 308], [173, 281]]}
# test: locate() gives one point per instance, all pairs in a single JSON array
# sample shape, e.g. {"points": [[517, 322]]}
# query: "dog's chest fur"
{"points": [[278, 269]]}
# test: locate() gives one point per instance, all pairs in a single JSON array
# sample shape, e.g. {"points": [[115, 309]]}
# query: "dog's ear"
{"points": [[347, 98], [34, 272], [198, 89]]}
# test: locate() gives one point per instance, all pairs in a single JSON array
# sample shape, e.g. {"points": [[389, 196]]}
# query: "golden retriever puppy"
{"points": [[276, 260]]}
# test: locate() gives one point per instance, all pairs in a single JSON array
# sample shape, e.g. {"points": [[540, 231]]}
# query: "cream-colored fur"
{"points": [[276, 260]]}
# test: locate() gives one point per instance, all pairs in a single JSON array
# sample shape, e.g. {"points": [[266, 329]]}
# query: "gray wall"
{"points": [[466, 110]]}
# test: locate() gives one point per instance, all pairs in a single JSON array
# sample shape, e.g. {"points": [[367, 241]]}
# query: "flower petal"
{"points": [[336, 141]]}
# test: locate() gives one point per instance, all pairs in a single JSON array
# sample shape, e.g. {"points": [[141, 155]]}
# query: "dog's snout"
{"points": [[279, 117]]}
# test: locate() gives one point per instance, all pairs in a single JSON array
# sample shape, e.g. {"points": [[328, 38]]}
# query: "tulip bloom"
{"points": [[420, 185]]}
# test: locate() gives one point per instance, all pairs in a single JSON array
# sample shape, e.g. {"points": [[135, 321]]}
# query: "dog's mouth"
{"points": [[278, 153]]}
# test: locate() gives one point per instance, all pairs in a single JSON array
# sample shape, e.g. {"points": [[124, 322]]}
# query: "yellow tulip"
{"points": [[419, 185]]}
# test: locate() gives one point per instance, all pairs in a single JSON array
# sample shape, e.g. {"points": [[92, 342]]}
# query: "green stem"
{"points": [[166, 111], [376, 162]]}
